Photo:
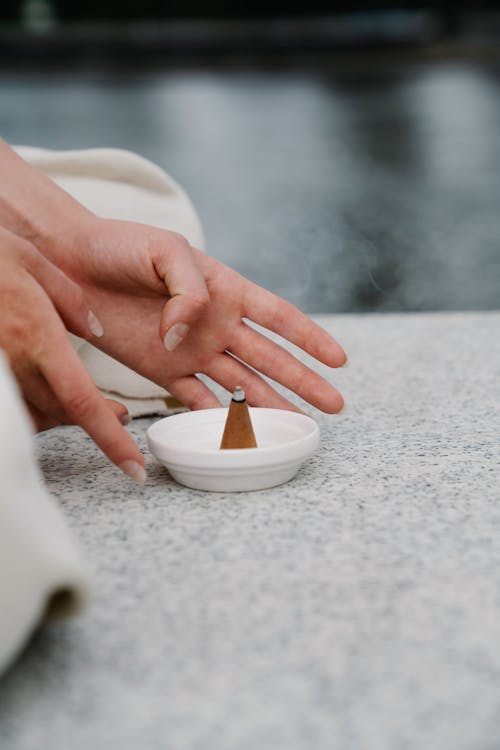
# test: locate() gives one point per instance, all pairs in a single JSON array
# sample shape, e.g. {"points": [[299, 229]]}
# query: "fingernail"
{"points": [[95, 325], [134, 470], [174, 336], [346, 363], [125, 419]]}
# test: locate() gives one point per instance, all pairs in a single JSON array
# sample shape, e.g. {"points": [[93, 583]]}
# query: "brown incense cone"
{"points": [[238, 431]]}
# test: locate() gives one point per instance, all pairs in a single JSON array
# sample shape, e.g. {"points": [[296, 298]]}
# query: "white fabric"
{"points": [[118, 184], [41, 571]]}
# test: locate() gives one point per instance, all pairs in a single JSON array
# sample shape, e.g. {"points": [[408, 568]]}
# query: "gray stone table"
{"points": [[357, 607]]}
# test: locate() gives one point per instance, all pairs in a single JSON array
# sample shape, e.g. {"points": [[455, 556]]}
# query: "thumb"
{"points": [[66, 296], [186, 288]]}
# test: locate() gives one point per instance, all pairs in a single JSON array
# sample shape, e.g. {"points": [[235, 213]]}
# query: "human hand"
{"points": [[124, 269], [143, 281], [37, 301]]}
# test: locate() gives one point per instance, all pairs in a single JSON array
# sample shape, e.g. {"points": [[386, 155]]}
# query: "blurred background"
{"points": [[344, 155]]}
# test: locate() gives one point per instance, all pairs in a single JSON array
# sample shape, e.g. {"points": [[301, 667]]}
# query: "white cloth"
{"points": [[118, 184], [41, 572]]}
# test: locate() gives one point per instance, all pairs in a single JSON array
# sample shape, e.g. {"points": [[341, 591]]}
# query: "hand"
{"points": [[37, 301], [124, 269], [144, 281]]}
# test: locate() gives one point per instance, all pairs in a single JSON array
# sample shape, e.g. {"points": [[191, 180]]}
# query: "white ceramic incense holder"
{"points": [[188, 445]]}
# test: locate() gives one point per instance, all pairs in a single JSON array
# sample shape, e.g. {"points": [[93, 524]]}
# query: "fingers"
{"points": [[119, 410], [45, 420], [41, 422], [229, 372], [193, 393], [188, 294], [84, 405], [278, 364], [46, 409], [67, 297], [283, 318], [52, 377], [272, 312]]}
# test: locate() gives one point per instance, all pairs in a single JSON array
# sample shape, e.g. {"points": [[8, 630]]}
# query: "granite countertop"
{"points": [[357, 607]]}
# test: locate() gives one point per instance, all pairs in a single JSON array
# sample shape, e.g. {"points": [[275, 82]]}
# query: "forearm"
{"points": [[32, 206]]}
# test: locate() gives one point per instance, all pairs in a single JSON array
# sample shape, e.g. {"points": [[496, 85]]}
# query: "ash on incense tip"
{"points": [[238, 430]]}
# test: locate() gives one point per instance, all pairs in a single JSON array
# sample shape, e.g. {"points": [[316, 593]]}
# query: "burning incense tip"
{"points": [[238, 431], [239, 394]]}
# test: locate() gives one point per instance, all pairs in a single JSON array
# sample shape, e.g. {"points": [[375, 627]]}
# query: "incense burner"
{"points": [[188, 445]]}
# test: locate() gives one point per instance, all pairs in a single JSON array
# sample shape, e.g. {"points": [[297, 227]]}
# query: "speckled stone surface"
{"points": [[355, 608]]}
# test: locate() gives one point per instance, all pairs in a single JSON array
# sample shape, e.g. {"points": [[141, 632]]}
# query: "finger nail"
{"points": [[175, 335], [134, 470], [125, 419], [95, 325], [346, 363]]}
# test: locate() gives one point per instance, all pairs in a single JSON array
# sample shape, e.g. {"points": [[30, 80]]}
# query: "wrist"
{"points": [[32, 206]]}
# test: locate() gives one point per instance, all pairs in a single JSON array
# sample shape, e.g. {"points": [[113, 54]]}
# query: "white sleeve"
{"points": [[42, 574]]}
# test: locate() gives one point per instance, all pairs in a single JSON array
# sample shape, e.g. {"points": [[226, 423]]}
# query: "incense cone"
{"points": [[238, 431]]}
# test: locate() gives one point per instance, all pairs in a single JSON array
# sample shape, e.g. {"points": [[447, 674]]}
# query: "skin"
{"points": [[150, 290], [220, 343], [39, 304]]}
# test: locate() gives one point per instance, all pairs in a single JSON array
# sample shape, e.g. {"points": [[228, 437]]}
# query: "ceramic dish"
{"points": [[188, 445]]}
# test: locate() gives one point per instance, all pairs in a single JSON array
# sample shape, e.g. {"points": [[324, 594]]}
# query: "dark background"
{"points": [[347, 156]]}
